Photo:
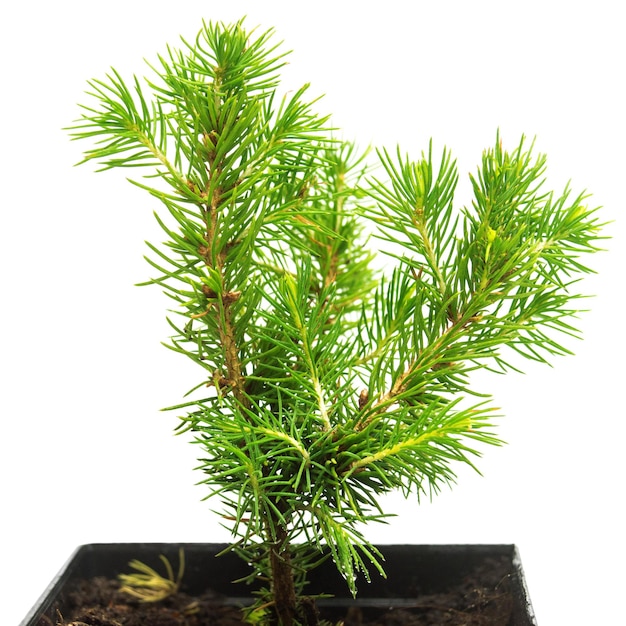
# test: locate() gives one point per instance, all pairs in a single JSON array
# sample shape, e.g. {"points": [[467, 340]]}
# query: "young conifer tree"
{"points": [[324, 385]]}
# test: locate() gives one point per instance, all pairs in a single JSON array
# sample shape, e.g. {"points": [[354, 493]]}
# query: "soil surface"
{"points": [[482, 598]]}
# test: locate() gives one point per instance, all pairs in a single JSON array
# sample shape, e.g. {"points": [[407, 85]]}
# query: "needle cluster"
{"points": [[324, 383]]}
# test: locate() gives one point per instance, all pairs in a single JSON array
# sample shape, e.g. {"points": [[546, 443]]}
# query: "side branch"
{"points": [[430, 359]]}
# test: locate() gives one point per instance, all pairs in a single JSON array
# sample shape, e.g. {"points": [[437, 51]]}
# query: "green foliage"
{"points": [[329, 384]]}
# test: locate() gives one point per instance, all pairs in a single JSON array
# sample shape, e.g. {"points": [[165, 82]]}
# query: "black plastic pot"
{"points": [[413, 572]]}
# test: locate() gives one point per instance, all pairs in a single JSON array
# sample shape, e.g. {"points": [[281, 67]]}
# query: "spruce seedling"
{"points": [[323, 383]]}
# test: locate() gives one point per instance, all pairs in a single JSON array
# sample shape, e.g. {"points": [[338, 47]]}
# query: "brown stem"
{"points": [[283, 588], [231, 355], [216, 260], [289, 607]]}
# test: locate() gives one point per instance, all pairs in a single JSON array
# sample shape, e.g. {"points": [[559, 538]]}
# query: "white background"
{"points": [[86, 456]]}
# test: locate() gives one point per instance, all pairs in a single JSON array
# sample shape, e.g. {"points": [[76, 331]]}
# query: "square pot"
{"points": [[416, 575]]}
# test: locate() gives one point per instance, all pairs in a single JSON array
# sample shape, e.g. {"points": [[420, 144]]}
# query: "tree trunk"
{"points": [[283, 588]]}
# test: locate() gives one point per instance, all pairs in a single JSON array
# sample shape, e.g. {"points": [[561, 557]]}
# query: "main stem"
{"points": [[289, 607], [283, 587]]}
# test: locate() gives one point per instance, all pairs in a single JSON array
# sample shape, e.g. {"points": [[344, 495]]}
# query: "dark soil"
{"points": [[482, 598]]}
